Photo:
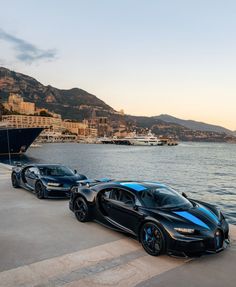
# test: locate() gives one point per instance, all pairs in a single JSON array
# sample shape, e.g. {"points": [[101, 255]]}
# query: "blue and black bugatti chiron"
{"points": [[46, 180], [163, 220]]}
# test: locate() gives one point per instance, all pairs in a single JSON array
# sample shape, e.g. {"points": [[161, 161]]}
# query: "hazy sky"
{"points": [[147, 57]]}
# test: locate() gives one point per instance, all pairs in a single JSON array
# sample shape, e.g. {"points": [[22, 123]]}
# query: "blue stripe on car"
{"points": [[133, 185], [192, 218], [158, 184], [209, 213]]}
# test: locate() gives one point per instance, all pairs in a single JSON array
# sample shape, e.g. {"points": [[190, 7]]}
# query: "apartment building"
{"points": [[23, 121]]}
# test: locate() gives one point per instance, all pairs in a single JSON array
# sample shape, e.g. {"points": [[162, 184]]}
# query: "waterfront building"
{"points": [[100, 123], [78, 128], [24, 121], [121, 131], [17, 104], [91, 132]]}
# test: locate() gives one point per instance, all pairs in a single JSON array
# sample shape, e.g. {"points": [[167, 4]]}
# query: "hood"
{"points": [[199, 216]]}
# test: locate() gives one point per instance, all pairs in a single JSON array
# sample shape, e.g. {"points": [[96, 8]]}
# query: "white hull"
{"points": [[143, 143]]}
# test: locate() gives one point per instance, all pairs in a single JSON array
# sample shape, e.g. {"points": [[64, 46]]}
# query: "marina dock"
{"points": [[42, 244]]}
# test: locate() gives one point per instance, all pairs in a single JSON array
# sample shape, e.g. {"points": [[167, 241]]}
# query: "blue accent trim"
{"points": [[133, 185], [209, 213], [158, 184], [192, 218]]}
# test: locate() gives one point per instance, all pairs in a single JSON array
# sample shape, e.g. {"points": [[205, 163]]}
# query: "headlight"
{"points": [[185, 230], [53, 184]]}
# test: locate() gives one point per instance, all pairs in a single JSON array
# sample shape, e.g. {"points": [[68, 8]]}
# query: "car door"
{"points": [[120, 207], [31, 175]]}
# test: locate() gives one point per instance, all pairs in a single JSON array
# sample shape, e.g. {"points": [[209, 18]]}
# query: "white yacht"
{"points": [[140, 140]]}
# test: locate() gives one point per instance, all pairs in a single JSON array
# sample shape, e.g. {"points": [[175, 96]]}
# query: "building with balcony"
{"points": [[24, 121]]}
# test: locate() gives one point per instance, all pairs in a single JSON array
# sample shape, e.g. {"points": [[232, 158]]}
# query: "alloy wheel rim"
{"points": [[152, 238], [80, 210], [39, 188]]}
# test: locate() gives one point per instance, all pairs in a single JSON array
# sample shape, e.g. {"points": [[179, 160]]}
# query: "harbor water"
{"points": [[204, 171]]}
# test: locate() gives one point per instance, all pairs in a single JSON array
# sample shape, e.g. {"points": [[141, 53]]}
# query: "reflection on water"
{"points": [[204, 171]]}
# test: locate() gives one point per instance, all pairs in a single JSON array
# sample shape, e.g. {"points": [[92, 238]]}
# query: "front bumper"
{"points": [[57, 192], [212, 242], [196, 247]]}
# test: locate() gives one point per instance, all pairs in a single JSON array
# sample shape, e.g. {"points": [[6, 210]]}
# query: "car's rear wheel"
{"points": [[82, 210], [152, 238], [14, 180], [39, 190]]}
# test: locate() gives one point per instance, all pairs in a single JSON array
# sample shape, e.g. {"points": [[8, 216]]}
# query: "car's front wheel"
{"points": [[39, 190], [82, 210], [152, 238], [14, 180]]}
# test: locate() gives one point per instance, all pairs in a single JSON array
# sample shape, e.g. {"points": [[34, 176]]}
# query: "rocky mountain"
{"points": [[194, 125], [175, 130], [71, 104], [77, 104]]}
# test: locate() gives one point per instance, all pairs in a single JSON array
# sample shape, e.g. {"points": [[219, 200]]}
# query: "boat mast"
{"points": [[1, 108]]}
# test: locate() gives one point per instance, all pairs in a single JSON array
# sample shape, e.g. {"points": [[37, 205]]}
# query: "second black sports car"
{"points": [[46, 180], [163, 220]]}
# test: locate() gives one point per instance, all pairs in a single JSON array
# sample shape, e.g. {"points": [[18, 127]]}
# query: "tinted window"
{"points": [[34, 170], [163, 197], [127, 198], [120, 195], [31, 170], [55, 171]]}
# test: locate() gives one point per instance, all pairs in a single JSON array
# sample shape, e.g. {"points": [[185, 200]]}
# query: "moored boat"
{"points": [[17, 140], [140, 140]]}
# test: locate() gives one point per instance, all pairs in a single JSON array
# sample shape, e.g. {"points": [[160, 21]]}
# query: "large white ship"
{"points": [[140, 140]]}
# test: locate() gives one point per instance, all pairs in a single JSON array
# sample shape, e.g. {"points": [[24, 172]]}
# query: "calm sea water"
{"points": [[204, 171]]}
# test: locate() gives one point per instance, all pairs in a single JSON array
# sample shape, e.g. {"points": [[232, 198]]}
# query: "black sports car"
{"points": [[163, 220], [46, 180]]}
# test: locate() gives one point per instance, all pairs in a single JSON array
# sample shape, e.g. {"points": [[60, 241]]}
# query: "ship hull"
{"points": [[17, 140]]}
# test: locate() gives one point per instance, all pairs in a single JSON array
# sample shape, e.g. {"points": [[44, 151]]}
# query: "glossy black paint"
{"points": [[28, 176], [210, 227]]}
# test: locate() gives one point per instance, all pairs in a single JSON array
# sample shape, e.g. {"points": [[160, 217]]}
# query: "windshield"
{"points": [[55, 171], [163, 197]]}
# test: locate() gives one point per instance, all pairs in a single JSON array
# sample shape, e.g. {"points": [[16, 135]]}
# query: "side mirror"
{"points": [[184, 195], [75, 171]]}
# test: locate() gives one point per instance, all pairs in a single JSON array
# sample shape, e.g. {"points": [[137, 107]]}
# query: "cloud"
{"points": [[27, 52]]}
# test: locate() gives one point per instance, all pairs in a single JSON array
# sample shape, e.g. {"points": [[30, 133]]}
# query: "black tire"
{"points": [[152, 238], [39, 190], [14, 180], [81, 210]]}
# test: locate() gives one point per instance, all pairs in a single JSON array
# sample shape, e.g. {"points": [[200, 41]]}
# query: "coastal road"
{"points": [[42, 244]]}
